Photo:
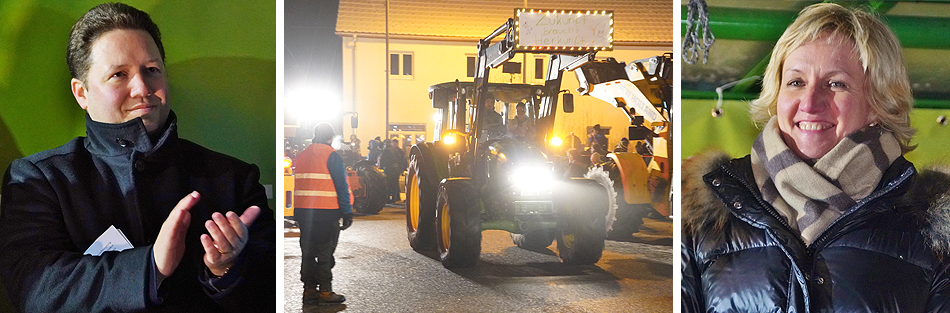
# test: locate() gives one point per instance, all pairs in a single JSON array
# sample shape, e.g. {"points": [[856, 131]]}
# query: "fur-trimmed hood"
{"points": [[701, 208], [702, 211]]}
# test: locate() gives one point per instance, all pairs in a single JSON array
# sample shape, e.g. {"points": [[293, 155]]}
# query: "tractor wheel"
{"points": [[372, 197], [614, 191], [420, 205], [458, 224], [534, 240], [581, 222]]}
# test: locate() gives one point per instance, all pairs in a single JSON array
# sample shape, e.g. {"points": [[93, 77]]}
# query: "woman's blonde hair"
{"points": [[888, 89]]}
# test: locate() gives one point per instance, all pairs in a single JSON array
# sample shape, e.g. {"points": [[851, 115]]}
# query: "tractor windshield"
{"points": [[516, 120]]}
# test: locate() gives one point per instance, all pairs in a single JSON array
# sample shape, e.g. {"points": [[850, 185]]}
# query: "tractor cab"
{"points": [[513, 112]]}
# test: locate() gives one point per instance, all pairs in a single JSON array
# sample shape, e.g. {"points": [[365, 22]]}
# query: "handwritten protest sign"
{"points": [[564, 30]]}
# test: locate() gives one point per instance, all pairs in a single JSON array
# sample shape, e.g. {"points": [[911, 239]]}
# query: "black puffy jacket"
{"points": [[885, 254], [57, 202]]}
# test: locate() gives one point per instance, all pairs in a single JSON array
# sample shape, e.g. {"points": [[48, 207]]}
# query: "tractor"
{"points": [[643, 89], [479, 175]]}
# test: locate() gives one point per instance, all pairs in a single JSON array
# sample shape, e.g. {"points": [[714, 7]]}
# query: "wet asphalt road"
{"points": [[377, 271]]}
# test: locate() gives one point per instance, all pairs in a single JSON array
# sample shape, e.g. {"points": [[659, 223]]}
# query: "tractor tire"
{"points": [[534, 240], [614, 190], [420, 205], [582, 209], [372, 197], [458, 224]]}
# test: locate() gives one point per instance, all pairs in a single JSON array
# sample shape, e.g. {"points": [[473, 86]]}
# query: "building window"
{"points": [[539, 68], [400, 64], [471, 67], [394, 64], [407, 64]]}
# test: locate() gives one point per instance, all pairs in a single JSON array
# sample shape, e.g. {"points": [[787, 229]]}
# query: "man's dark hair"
{"points": [[323, 133], [99, 20], [574, 154], [488, 97]]}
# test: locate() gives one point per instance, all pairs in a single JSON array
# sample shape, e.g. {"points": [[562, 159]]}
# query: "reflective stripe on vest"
{"points": [[313, 186]]}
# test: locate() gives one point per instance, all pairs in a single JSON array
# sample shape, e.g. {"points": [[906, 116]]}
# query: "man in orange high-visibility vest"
{"points": [[321, 199]]}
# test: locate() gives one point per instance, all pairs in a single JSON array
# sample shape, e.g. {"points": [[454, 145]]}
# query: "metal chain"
{"points": [[697, 19]]}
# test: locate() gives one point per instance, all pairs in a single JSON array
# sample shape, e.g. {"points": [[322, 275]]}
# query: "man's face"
{"points": [[126, 79], [520, 111]]}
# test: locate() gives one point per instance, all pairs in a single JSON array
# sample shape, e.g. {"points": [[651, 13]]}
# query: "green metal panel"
{"points": [[932, 138], [728, 95], [768, 25], [733, 132], [745, 24]]}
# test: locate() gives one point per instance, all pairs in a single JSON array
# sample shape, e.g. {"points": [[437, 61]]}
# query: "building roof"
{"points": [[641, 21]]}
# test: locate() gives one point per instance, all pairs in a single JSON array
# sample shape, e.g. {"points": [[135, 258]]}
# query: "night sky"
{"points": [[312, 51]]}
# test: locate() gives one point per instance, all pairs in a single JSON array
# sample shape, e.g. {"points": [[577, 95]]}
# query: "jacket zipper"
{"points": [[821, 238], [771, 211], [768, 207], [857, 207]]}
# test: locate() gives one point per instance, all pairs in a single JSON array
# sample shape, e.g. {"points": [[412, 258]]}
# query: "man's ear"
{"points": [[79, 92]]}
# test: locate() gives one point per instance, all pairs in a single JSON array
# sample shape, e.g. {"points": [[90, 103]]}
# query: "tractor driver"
{"points": [[490, 116], [522, 126]]}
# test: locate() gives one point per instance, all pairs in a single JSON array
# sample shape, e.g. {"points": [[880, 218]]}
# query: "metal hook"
{"points": [[717, 112]]}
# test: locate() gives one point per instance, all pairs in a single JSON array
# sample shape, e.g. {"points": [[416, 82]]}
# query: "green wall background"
{"points": [[733, 132], [221, 60]]}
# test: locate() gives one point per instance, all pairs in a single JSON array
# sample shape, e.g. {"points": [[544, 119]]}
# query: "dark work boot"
{"points": [[330, 297], [311, 296]]}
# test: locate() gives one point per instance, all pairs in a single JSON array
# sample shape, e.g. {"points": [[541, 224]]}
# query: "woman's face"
{"points": [[822, 98]]}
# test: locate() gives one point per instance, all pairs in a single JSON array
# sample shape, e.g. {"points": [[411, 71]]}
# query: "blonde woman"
{"points": [[824, 214]]}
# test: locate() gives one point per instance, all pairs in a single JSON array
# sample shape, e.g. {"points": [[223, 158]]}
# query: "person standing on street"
{"points": [[393, 162], [374, 149], [322, 199]]}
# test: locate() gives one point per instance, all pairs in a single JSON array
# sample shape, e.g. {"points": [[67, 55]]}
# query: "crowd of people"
{"points": [[388, 156], [384, 154], [580, 157], [393, 159]]}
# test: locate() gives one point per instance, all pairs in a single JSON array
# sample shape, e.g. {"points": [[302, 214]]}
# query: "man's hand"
{"points": [[228, 236], [347, 221], [170, 245]]}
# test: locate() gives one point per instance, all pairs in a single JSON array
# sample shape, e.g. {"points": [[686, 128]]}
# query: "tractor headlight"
{"points": [[449, 139], [555, 141], [288, 166], [531, 180]]}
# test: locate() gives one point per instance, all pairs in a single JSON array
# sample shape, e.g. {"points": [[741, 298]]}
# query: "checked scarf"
{"points": [[811, 197]]}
